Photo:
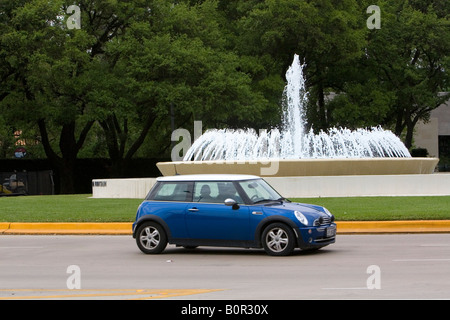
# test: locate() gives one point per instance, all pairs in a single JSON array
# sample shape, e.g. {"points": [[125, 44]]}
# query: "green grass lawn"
{"points": [[82, 208], [67, 208], [385, 208]]}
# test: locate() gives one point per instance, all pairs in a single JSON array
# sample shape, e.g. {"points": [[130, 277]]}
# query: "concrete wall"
{"points": [[306, 187], [122, 188], [356, 186], [304, 167]]}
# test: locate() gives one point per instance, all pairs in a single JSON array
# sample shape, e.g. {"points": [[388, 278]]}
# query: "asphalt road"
{"points": [[408, 266]]}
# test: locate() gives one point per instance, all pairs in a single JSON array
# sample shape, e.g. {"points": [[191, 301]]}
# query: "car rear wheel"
{"points": [[151, 238], [278, 239]]}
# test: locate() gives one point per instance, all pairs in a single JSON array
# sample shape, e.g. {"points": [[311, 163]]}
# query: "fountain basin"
{"points": [[304, 167]]}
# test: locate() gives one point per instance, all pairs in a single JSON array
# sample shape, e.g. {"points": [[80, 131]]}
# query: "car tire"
{"points": [[278, 239], [151, 238]]}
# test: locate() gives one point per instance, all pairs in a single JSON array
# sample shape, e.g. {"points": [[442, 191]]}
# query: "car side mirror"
{"points": [[231, 203]]}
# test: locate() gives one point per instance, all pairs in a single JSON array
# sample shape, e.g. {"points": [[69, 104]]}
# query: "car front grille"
{"points": [[323, 220]]}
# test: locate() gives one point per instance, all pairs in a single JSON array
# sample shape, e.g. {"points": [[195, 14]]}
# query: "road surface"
{"points": [[408, 266]]}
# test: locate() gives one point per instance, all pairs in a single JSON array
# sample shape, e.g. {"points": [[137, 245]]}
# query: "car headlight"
{"points": [[327, 212], [300, 217]]}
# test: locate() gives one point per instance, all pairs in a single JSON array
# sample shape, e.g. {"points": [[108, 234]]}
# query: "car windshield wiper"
{"points": [[268, 200]]}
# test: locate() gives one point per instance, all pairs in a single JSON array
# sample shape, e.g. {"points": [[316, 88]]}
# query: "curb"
{"points": [[53, 228], [409, 226], [125, 228]]}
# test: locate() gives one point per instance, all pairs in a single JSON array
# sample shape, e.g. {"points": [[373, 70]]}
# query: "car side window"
{"points": [[215, 192], [172, 191]]}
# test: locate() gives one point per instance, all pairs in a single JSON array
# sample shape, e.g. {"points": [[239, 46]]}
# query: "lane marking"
{"points": [[21, 247], [420, 260], [435, 245]]}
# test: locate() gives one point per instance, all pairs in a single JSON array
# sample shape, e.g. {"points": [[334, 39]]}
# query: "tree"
{"points": [[327, 35], [122, 71], [49, 72], [172, 59], [6, 138], [410, 57], [391, 76]]}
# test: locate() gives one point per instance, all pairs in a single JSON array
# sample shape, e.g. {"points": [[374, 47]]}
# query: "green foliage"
{"points": [[409, 58], [327, 35], [109, 87], [6, 138], [124, 69]]}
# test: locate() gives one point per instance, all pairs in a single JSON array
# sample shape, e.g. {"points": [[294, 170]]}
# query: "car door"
{"points": [[168, 201], [208, 218]]}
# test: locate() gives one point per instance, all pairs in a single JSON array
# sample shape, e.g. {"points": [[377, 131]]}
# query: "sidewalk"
{"points": [[124, 228]]}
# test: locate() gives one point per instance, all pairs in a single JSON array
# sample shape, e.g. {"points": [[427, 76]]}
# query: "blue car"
{"points": [[228, 211]]}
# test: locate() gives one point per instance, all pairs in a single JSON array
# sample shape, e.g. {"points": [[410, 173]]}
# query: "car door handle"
{"points": [[193, 209]]}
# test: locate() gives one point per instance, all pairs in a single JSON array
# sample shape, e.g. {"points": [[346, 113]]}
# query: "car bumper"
{"points": [[316, 237]]}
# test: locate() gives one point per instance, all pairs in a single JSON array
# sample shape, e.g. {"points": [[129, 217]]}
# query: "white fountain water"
{"points": [[292, 141]]}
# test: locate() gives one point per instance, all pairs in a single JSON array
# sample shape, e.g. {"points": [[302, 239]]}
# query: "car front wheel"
{"points": [[151, 238], [278, 239]]}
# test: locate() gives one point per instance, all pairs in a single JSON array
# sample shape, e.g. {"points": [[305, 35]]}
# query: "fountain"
{"points": [[292, 151]]}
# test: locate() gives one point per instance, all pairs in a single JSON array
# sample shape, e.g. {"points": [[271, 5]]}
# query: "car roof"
{"points": [[208, 177]]}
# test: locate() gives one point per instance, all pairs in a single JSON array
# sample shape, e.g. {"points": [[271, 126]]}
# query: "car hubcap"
{"points": [[150, 237], [277, 239]]}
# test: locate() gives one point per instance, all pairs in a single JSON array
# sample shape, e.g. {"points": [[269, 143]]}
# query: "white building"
{"points": [[435, 134]]}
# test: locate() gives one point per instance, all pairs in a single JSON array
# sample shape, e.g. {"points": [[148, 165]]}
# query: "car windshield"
{"points": [[259, 190]]}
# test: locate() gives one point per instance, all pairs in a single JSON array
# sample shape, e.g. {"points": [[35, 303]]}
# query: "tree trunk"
{"points": [[116, 139], [66, 171], [65, 165], [410, 125]]}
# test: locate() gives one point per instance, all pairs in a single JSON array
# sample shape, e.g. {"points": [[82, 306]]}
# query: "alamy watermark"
{"points": [[180, 149], [267, 167], [74, 20], [374, 21], [374, 280], [74, 280]]}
